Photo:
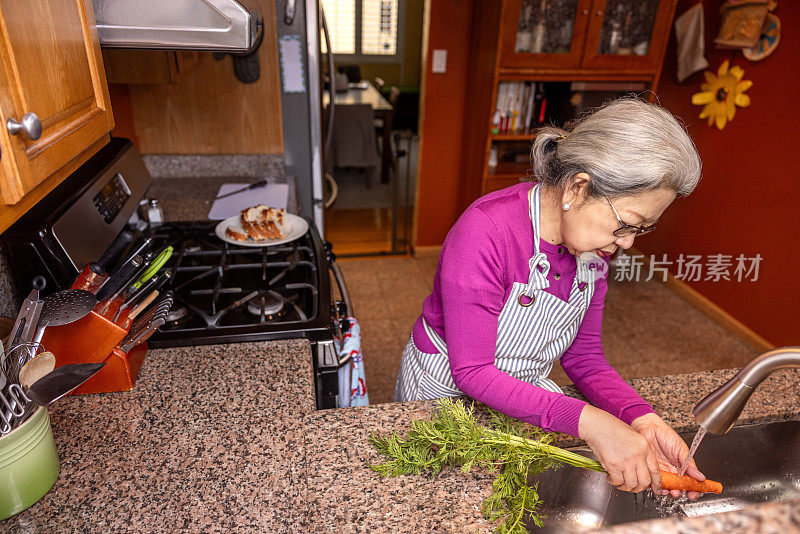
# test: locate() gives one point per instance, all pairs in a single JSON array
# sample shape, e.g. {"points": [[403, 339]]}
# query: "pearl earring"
{"points": [[565, 206]]}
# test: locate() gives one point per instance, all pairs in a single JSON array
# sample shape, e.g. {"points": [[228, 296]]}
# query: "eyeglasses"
{"points": [[628, 229]]}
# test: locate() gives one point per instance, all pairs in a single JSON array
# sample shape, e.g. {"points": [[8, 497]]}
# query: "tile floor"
{"points": [[648, 330]]}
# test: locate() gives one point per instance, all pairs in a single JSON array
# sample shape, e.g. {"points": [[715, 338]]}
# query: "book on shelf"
{"points": [[520, 107]]}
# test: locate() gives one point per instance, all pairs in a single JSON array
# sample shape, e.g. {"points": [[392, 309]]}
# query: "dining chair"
{"points": [[384, 127], [353, 72]]}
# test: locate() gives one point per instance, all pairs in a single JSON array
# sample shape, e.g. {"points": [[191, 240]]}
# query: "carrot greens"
{"points": [[510, 449]]}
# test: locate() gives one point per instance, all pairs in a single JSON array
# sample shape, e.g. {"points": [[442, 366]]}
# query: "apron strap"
{"points": [[435, 338]]}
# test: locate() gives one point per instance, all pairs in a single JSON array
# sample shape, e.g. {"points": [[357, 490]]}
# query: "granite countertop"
{"points": [[226, 438]]}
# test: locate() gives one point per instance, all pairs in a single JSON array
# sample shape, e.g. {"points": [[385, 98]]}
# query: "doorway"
{"points": [[371, 166]]}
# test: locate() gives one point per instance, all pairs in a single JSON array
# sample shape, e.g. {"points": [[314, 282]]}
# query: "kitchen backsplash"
{"points": [[189, 165], [10, 299]]}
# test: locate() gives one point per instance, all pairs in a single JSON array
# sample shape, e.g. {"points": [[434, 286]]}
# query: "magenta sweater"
{"points": [[486, 251]]}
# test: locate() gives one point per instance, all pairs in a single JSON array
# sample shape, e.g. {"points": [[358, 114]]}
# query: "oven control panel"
{"points": [[110, 199]]}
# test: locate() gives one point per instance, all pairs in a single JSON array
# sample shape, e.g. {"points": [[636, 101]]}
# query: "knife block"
{"points": [[119, 373], [93, 339]]}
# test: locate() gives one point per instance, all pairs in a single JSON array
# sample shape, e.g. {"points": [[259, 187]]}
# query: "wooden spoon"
{"points": [[37, 368]]}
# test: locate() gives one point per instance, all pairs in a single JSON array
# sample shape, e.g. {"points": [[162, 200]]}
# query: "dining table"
{"points": [[364, 92]]}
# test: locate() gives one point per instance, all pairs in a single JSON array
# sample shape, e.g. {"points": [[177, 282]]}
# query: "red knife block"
{"points": [[119, 373], [93, 339]]}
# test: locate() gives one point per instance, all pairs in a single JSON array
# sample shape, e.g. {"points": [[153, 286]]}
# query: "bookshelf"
{"points": [[575, 53]]}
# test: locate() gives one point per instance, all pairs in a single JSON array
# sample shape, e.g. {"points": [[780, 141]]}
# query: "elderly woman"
{"points": [[522, 278]]}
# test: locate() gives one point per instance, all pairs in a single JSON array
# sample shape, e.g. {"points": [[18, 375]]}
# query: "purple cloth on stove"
{"points": [[485, 252]]}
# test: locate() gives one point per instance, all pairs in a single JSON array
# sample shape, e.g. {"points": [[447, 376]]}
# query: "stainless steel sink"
{"points": [[755, 464]]}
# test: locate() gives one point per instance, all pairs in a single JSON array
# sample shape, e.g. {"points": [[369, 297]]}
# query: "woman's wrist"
{"points": [[647, 419]]}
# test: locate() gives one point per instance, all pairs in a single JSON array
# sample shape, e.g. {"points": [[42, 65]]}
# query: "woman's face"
{"points": [[589, 224]]}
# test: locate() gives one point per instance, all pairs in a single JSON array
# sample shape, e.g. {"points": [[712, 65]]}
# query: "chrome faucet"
{"points": [[719, 409]]}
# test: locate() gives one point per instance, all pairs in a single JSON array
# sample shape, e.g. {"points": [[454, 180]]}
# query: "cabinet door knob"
{"points": [[585, 11], [30, 124], [598, 13]]}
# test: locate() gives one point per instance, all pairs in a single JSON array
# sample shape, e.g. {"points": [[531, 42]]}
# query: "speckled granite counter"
{"points": [[226, 438]]}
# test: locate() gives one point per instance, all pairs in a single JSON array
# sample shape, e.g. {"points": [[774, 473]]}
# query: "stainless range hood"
{"points": [[224, 25]]}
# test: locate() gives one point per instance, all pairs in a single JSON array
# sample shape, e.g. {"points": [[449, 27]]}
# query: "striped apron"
{"points": [[534, 329]]}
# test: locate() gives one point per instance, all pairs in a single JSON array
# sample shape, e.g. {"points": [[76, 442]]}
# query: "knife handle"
{"points": [[139, 248], [142, 305], [117, 279], [114, 251]]}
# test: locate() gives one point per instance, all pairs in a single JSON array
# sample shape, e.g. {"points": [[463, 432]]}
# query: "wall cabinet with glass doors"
{"points": [[588, 34]]}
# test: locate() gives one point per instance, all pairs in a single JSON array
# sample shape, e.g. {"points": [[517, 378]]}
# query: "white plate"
{"points": [[296, 224]]}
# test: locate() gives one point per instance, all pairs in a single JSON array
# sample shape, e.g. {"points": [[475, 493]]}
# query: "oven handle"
{"points": [[343, 291]]}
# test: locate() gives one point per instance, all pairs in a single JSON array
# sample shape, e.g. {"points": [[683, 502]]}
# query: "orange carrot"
{"points": [[671, 481]]}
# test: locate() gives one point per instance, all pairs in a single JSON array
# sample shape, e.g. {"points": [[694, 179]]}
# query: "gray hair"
{"points": [[627, 146]]}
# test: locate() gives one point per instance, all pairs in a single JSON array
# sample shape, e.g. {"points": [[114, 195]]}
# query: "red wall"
{"points": [[748, 199], [443, 121]]}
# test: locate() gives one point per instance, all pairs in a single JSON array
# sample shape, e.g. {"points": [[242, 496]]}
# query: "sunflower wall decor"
{"points": [[721, 93]]}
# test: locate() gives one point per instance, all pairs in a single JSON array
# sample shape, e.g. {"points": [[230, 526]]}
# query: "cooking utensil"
{"points": [[143, 305], [163, 278], [114, 251], [20, 348], [14, 402], [139, 295], [126, 285], [140, 247], [155, 266], [24, 318], [145, 334], [161, 308], [147, 260], [156, 313], [250, 187], [116, 280], [121, 271], [37, 368], [64, 307], [60, 382]]}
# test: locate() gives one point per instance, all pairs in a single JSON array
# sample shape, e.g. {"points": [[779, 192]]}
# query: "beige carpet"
{"points": [[648, 330]]}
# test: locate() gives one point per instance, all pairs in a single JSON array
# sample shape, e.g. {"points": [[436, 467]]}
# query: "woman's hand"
{"points": [[668, 447], [626, 455]]}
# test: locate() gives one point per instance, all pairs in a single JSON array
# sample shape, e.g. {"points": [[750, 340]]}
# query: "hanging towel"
{"points": [[689, 30], [352, 380]]}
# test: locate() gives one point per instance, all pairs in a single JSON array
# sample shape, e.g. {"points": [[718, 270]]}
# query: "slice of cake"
{"points": [[262, 222], [236, 233]]}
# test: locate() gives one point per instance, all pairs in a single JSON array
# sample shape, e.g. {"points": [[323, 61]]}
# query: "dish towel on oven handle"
{"points": [[352, 380]]}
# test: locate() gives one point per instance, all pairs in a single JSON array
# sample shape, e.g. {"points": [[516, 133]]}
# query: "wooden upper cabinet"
{"points": [[591, 35], [52, 68], [543, 33], [627, 34]]}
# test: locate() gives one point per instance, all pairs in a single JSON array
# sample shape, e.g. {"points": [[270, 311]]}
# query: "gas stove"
{"points": [[227, 293]]}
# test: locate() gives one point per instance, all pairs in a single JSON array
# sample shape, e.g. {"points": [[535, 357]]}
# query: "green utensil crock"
{"points": [[28, 464]]}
